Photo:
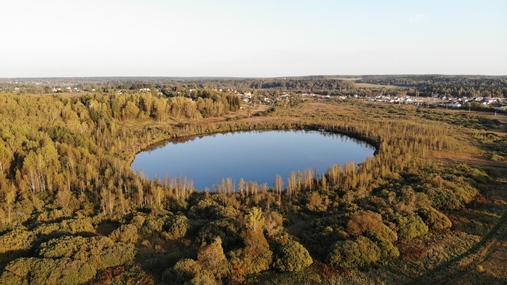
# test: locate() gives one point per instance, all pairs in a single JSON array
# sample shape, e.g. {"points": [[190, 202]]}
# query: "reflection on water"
{"points": [[254, 156]]}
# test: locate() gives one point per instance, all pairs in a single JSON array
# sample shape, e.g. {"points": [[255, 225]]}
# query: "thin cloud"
{"points": [[416, 18]]}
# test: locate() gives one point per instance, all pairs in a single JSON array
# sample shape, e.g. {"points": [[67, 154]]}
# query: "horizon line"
{"points": [[255, 77]]}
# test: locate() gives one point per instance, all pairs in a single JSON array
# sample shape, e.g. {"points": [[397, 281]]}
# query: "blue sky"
{"points": [[256, 38]]}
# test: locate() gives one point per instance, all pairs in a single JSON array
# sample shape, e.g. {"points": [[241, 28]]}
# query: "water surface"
{"points": [[254, 156]]}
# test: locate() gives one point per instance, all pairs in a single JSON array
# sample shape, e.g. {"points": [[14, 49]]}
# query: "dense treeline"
{"points": [[56, 145], [71, 206], [300, 85], [173, 87], [448, 85], [418, 85]]}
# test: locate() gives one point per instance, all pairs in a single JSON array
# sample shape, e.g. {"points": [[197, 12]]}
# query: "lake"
{"points": [[254, 156]]}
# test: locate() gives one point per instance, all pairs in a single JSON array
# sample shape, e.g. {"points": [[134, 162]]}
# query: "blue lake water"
{"points": [[254, 156]]}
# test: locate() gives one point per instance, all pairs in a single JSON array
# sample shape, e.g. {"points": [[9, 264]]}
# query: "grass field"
{"points": [[366, 85]]}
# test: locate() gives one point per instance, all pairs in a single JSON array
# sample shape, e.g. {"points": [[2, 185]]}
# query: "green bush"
{"points": [[153, 225], [435, 219], [203, 279], [411, 227], [496, 157], [47, 271], [257, 255], [206, 209], [451, 193], [100, 252], [126, 234], [177, 227], [66, 227], [369, 251], [352, 254], [227, 229], [15, 243], [344, 254], [138, 221], [183, 271], [292, 256], [388, 250], [444, 199], [78, 226], [50, 215]]}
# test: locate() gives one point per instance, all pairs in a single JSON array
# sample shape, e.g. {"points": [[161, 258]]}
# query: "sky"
{"points": [[251, 38]]}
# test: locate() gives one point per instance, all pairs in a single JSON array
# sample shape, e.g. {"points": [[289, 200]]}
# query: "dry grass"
{"points": [[348, 78], [369, 85], [365, 85]]}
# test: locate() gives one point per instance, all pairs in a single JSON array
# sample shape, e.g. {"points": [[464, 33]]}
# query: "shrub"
{"points": [[125, 233], [212, 258], [153, 225], [344, 254], [317, 202], [15, 243], [206, 209], [370, 223], [496, 157], [78, 226], [47, 271], [351, 254], [443, 199], [183, 271], [412, 227], [369, 251], [479, 268], [292, 257], [227, 229], [100, 252], [177, 227], [448, 195], [202, 279], [387, 249], [50, 215], [66, 227], [274, 223], [138, 221], [257, 255], [435, 219]]}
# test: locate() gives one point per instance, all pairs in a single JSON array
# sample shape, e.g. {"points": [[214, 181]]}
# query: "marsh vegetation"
{"points": [[72, 211]]}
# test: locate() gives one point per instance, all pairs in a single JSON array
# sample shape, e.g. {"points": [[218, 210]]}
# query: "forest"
{"points": [[73, 212], [456, 86], [449, 85]]}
